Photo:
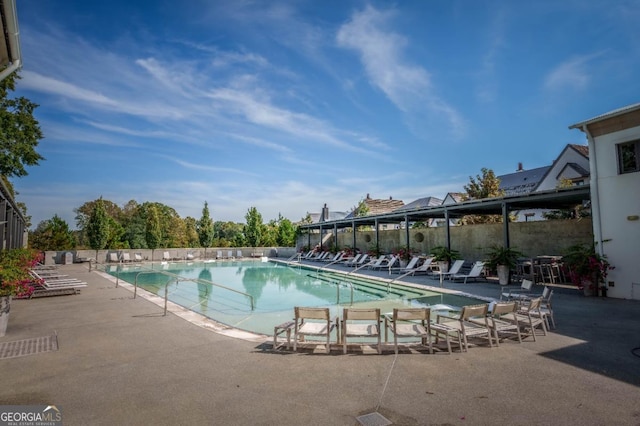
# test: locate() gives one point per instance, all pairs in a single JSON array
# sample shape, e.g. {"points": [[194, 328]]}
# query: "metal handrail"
{"points": [[338, 290], [178, 278]]}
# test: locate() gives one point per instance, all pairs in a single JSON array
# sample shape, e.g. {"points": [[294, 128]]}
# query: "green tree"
{"points": [[362, 209], [52, 234], [253, 228], [19, 131], [98, 227], [270, 234], [83, 215], [191, 232], [133, 222], [153, 230], [286, 233], [229, 234], [205, 227], [485, 186]]}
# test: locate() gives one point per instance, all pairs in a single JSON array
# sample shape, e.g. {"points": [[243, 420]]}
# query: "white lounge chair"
{"points": [[523, 292], [353, 261], [125, 257], [455, 268], [475, 273], [410, 266]]}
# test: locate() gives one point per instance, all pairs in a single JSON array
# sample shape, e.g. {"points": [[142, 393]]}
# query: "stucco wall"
{"points": [[532, 238], [103, 256], [619, 202]]}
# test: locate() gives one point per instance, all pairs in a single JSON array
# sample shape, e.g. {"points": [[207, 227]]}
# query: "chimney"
{"points": [[368, 197], [325, 213], [519, 167]]}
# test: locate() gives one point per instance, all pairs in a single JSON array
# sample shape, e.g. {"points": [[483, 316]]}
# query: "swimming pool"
{"points": [[256, 296]]}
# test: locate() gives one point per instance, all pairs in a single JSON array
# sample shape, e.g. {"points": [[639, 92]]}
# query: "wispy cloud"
{"points": [[572, 74], [406, 85], [34, 81]]}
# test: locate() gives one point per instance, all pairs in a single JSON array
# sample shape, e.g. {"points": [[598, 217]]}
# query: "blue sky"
{"points": [[287, 105]]}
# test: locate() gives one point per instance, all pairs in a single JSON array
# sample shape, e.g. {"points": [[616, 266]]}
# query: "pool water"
{"points": [[271, 290]]}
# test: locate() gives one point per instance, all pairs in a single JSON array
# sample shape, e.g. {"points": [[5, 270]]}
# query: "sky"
{"points": [[288, 105]]}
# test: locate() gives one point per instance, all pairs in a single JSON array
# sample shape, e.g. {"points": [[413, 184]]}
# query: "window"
{"points": [[629, 157]]}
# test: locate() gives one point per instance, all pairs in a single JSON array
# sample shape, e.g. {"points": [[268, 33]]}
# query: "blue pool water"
{"points": [[272, 288]]}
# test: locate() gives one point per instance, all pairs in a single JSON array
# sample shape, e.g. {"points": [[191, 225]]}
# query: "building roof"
{"points": [[581, 149], [420, 203], [454, 197], [581, 171], [610, 114], [10, 52], [378, 206], [523, 181]]}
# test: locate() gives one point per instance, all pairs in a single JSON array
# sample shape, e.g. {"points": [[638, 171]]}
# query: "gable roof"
{"points": [[522, 182], [453, 197], [581, 149], [581, 171], [420, 203], [379, 206]]}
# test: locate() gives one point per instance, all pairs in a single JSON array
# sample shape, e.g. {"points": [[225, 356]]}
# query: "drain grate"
{"points": [[373, 419], [26, 347]]}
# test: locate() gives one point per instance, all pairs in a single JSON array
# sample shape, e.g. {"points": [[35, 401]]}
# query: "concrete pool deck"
{"points": [[119, 361]]}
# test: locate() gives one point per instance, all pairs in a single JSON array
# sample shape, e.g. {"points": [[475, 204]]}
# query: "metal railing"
{"points": [[177, 278]]}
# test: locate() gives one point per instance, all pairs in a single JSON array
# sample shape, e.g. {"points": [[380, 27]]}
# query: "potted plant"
{"points": [[15, 279], [443, 257], [374, 251], [502, 260], [403, 255], [588, 270]]}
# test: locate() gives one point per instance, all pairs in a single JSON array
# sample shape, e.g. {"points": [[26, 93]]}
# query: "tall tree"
{"points": [[253, 228], [52, 234], [205, 227], [191, 232], [98, 227], [83, 215], [153, 231], [485, 186], [19, 131], [286, 233]]}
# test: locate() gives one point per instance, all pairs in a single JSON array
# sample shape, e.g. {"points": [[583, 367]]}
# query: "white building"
{"points": [[614, 160]]}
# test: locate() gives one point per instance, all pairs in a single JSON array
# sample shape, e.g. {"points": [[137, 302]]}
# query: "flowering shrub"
{"points": [[348, 252], [403, 254], [15, 279], [586, 265]]}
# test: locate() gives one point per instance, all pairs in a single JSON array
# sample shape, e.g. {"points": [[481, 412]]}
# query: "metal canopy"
{"points": [[555, 199]]}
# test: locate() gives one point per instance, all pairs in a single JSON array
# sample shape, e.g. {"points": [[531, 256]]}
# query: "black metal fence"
{"points": [[13, 226]]}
